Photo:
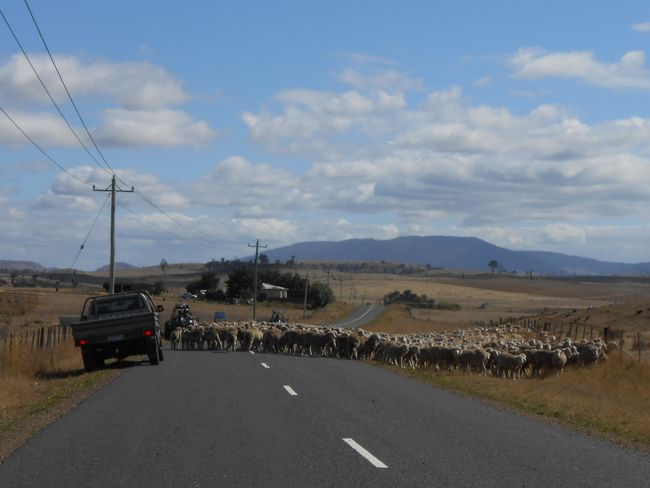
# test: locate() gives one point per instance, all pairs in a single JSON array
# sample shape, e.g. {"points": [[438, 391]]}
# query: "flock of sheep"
{"points": [[501, 351]]}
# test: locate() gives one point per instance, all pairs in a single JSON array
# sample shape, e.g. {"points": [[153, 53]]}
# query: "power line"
{"points": [[83, 244], [157, 207], [29, 61], [149, 201], [52, 160], [66, 88], [145, 198], [145, 221]]}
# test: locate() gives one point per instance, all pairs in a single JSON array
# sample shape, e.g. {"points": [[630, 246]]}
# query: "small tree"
{"points": [[240, 282], [158, 288], [494, 264], [319, 295]]}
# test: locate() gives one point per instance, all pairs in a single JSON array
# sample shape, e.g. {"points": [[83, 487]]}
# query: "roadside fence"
{"points": [[38, 339], [632, 343]]}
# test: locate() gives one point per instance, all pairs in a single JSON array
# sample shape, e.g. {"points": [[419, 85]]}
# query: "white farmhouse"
{"points": [[274, 292]]}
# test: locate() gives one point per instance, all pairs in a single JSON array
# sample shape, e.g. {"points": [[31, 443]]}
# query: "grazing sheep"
{"points": [[496, 350], [474, 359], [510, 365], [211, 337], [176, 337]]}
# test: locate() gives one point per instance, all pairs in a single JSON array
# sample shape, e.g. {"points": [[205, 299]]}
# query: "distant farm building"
{"points": [[274, 292]]}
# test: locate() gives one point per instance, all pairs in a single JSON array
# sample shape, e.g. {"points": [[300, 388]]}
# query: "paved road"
{"points": [[204, 419], [360, 316]]}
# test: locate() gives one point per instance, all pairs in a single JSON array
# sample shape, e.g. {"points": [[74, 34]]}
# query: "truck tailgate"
{"points": [[112, 329]]}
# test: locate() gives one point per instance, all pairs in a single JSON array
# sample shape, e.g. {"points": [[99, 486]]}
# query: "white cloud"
{"points": [[47, 129], [367, 59], [163, 127], [453, 161], [375, 162], [565, 232], [135, 85], [142, 90], [641, 27], [390, 80], [483, 81], [629, 72]]}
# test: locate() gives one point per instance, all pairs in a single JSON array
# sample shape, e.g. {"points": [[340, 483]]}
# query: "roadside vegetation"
{"points": [[37, 386], [611, 399]]}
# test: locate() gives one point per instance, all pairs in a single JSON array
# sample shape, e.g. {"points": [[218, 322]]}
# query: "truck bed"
{"points": [[113, 329]]}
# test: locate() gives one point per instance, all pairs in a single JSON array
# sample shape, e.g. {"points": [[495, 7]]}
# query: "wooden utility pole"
{"points": [[112, 188], [257, 248], [304, 309]]}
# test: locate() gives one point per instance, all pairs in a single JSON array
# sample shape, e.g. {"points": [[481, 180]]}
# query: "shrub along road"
{"points": [[205, 419]]}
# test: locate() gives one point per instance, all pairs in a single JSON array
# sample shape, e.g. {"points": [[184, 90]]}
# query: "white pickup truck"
{"points": [[116, 326]]}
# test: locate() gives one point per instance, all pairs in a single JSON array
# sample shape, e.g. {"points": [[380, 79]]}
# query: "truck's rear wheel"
{"points": [[99, 360], [88, 357], [152, 352], [160, 354]]}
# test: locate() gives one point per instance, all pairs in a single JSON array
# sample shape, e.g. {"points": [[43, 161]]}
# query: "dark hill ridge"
{"points": [[452, 253], [118, 265], [20, 265]]}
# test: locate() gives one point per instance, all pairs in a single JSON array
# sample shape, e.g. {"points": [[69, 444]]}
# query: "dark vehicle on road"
{"points": [[181, 317], [117, 326], [277, 316]]}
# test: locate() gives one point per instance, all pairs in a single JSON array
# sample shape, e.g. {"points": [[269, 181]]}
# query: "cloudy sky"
{"points": [[526, 124]]}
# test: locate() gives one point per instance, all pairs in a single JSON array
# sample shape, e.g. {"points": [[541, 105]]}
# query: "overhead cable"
{"points": [[146, 221], [157, 207], [29, 61], [66, 88], [50, 158], [83, 244]]}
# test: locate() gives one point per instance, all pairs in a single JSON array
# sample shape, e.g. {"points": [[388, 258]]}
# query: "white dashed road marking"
{"points": [[265, 365], [290, 390], [360, 449]]}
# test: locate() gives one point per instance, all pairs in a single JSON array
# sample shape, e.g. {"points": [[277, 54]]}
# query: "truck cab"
{"points": [[117, 326]]}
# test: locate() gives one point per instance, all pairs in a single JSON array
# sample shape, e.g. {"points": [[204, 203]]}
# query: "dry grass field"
{"points": [[611, 399], [38, 386], [22, 307], [490, 298]]}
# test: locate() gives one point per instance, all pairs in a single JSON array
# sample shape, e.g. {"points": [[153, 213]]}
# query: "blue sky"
{"points": [[522, 123]]}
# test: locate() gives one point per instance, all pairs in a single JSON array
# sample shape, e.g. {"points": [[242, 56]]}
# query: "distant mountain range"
{"points": [[453, 253], [20, 265], [445, 252], [118, 265]]}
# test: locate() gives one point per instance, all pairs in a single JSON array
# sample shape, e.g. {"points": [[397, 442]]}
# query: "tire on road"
{"points": [[88, 357], [152, 352], [99, 360]]}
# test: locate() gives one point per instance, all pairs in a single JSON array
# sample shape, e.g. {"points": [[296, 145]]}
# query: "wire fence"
{"points": [[632, 343]]}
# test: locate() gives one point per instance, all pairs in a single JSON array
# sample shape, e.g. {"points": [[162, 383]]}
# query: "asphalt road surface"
{"points": [[205, 419], [360, 316]]}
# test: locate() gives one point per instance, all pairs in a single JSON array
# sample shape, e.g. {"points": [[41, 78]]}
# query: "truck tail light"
{"points": [[148, 333], [83, 342]]}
